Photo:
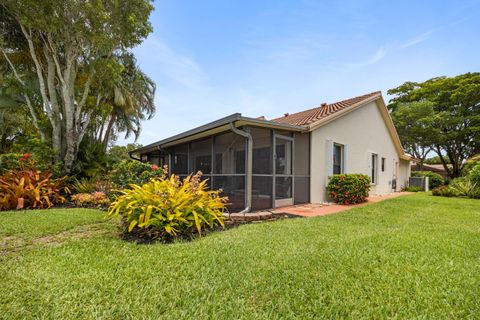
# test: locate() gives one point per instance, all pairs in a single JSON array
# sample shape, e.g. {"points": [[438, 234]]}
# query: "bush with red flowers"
{"points": [[348, 188], [130, 172]]}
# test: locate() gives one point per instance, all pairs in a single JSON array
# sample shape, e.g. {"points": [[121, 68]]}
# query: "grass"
{"points": [[416, 256]]}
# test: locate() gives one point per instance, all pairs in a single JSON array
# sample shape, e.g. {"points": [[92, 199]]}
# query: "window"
{"points": [[374, 168], [383, 164], [337, 158]]}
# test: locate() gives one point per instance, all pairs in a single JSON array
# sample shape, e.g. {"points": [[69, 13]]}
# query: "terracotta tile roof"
{"points": [[304, 118]]}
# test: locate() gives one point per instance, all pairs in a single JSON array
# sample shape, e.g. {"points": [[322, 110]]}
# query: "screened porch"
{"points": [[279, 173]]}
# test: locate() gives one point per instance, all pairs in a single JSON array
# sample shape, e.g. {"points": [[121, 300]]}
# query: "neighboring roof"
{"points": [[308, 117], [214, 127], [431, 167]]}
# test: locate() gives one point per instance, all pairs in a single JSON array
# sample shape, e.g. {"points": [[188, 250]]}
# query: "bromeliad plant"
{"points": [[94, 199], [167, 208], [27, 187]]}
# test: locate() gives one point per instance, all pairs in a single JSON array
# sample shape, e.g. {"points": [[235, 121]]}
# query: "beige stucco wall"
{"points": [[404, 173], [363, 131]]}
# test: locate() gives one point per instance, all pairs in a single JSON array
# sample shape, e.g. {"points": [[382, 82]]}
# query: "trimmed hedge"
{"points": [[349, 188], [435, 180]]}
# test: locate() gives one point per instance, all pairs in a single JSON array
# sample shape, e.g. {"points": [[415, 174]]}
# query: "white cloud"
{"points": [[418, 39], [167, 62], [379, 54]]}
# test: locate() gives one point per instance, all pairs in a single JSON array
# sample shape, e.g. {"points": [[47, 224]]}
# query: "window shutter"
{"points": [[369, 164], [329, 155], [345, 158]]}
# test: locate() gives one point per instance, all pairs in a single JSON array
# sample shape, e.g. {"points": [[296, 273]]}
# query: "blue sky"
{"points": [[213, 58]]}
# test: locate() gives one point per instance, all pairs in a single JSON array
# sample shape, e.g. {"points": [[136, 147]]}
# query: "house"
{"points": [[262, 164], [437, 168]]}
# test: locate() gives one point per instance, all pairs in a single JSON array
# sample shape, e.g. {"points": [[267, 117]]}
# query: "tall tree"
{"points": [[67, 41], [455, 119], [415, 125]]}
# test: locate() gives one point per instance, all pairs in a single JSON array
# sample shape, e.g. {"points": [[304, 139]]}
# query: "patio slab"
{"points": [[319, 209]]}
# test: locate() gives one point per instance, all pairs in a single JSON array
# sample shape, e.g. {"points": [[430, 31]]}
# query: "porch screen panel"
{"points": [[154, 158], [262, 169], [233, 187], [229, 150], [283, 188], [262, 151], [302, 168], [201, 156], [262, 192], [180, 159], [229, 158]]}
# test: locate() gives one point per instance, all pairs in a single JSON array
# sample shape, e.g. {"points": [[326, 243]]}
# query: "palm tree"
{"points": [[127, 102]]}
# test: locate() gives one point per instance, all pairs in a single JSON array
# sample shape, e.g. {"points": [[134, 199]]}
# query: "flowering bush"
{"points": [[27, 187], [130, 172], [39, 153], [94, 199], [349, 188], [167, 208]]}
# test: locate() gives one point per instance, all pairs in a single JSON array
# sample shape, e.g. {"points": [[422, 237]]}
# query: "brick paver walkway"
{"points": [[317, 209]]}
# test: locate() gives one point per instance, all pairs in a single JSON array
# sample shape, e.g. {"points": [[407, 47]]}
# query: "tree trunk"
{"points": [[70, 153], [3, 143], [57, 139], [108, 132]]}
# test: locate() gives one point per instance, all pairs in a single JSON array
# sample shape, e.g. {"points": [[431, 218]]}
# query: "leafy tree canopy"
{"points": [[452, 129], [59, 54]]}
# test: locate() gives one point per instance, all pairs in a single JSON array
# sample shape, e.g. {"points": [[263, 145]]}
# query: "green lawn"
{"points": [[411, 257]]}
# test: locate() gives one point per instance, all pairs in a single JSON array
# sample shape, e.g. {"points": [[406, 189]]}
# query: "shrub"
{"points": [[130, 172], [84, 185], [445, 191], [474, 174], [29, 188], [470, 164], [167, 208], [94, 199], [42, 155], [435, 180], [9, 161], [413, 189], [349, 188], [464, 186]]}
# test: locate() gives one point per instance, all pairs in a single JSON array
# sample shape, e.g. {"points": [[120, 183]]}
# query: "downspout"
{"points": [[248, 182], [132, 157]]}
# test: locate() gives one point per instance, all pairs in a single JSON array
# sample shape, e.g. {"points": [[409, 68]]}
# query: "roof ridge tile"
{"points": [[306, 117]]}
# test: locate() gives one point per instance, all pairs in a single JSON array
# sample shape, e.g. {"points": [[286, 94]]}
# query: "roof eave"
{"points": [[236, 118]]}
